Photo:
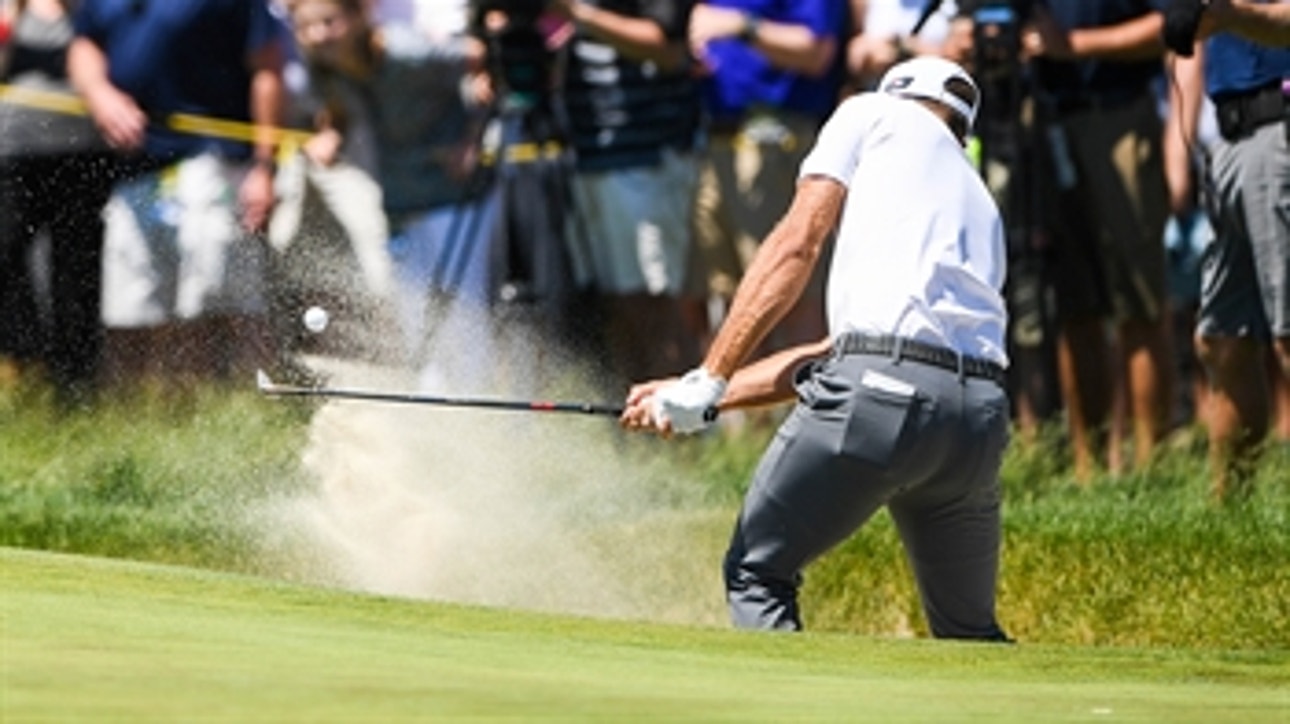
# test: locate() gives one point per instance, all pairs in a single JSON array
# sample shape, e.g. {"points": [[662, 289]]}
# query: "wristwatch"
{"points": [[748, 31]]}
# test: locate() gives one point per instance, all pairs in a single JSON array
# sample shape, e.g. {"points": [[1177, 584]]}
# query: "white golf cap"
{"points": [[925, 77]]}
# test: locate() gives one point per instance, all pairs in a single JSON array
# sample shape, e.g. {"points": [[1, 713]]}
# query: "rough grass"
{"points": [[1141, 560]]}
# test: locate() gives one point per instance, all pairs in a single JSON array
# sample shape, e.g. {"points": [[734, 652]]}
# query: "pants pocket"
{"points": [[877, 423]]}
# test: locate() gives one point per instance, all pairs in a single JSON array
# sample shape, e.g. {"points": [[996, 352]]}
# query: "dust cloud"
{"points": [[540, 511]]}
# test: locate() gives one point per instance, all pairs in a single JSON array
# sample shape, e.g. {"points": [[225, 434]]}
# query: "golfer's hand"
{"points": [[688, 405]]}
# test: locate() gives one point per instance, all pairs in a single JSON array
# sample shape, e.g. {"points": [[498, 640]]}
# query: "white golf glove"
{"points": [[690, 403]]}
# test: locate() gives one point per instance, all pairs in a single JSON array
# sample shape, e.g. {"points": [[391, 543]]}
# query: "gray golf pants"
{"points": [[869, 431]]}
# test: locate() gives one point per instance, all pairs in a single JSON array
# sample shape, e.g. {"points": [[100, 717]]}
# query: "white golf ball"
{"points": [[315, 319]]}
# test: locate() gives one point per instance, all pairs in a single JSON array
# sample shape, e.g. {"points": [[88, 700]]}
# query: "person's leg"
{"points": [[80, 189], [805, 497], [1279, 369], [1237, 411], [1146, 354], [1119, 152], [950, 522], [1085, 378], [1245, 296], [20, 334]]}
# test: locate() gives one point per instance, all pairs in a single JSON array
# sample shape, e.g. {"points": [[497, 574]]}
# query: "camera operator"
{"points": [[1105, 203], [1245, 277]]}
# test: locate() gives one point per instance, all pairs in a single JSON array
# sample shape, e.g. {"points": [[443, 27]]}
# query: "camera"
{"points": [[521, 65]]}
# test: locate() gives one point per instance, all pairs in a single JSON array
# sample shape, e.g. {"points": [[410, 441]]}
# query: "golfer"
{"points": [[904, 404]]}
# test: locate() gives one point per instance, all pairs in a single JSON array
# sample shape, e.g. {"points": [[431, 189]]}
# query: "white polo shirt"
{"points": [[920, 250]]}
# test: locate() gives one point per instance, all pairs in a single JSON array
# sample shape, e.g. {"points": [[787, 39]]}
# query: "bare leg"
{"points": [[1238, 406], [1082, 368], [1147, 364]]}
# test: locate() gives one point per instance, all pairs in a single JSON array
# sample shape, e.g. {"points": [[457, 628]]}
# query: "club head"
{"points": [[262, 381]]}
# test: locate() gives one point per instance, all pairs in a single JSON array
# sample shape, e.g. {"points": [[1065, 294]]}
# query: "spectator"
{"points": [[184, 291], [329, 229], [424, 135], [634, 114], [55, 176], [772, 75], [889, 36], [1188, 230], [1245, 280], [1106, 204]]}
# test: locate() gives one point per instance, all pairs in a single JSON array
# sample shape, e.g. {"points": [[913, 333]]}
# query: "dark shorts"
{"points": [[1102, 185]]}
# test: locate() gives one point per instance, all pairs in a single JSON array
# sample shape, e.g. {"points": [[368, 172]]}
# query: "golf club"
{"points": [[268, 387]]}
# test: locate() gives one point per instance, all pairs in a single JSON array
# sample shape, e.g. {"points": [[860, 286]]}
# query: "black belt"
{"points": [[1241, 115], [900, 348]]}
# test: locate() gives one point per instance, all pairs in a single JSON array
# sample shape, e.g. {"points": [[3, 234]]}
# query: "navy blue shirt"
{"points": [[1104, 79], [1236, 65], [623, 112], [182, 56]]}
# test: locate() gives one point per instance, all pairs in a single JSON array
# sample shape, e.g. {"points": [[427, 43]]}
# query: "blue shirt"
{"points": [[182, 56], [743, 78], [1104, 79], [1236, 65]]}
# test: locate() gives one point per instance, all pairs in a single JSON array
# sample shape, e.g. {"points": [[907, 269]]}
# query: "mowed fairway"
{"points": [[94, 639]]}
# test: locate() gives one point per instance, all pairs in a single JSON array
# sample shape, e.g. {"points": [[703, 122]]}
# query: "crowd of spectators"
{"points": [[600, 172]]}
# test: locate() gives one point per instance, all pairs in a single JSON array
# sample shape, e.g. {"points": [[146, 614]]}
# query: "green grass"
{"points": [[1143, 561], [93, 639]]}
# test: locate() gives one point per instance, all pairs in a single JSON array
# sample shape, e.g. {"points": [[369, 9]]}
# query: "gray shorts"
{"points": [[633, 227], [870, 431], [1245, 271]]}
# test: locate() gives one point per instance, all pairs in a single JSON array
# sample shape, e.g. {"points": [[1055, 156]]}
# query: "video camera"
{"points": [[519, 61], [996, 58]]}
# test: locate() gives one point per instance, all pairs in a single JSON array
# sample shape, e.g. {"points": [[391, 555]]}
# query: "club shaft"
{"points": [[339, 393]]}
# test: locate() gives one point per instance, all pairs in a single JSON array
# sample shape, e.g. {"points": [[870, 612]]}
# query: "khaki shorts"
{"points": [[1102, 185], [631, 229], [746, 184], [174, 248]]}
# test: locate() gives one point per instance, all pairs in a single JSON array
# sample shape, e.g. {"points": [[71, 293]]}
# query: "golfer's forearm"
{"points": [[770, 380], [771, 286], [778, 275]]}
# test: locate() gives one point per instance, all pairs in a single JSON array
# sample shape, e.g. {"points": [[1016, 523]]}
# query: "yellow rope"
{"points": [[196, 125]]}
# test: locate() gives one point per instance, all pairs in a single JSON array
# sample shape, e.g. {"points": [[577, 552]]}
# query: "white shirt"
{"points": [[920, 249], [889, 18]]}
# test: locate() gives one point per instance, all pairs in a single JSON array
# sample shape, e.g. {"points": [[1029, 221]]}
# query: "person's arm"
{"points": [[119, 119], [789, 46], [267, 97], [640, 39], [1186, 93], [779, 272], [1263, 23], [768, 381], [1139, 38]]}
